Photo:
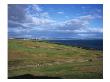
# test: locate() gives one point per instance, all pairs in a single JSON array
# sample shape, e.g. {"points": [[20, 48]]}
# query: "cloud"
{"points": [[86, 17], [16, 13], [31, 15], [75, 23], [36, 8], [32, 21], [45, 15], [60, 12], [39, 21], [33, 9], [89, 30]]}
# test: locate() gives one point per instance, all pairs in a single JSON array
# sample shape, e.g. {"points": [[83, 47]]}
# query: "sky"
{"points": [[55, 21]]}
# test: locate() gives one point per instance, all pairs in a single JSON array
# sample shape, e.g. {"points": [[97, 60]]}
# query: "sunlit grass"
{"points": [[42, 58]]}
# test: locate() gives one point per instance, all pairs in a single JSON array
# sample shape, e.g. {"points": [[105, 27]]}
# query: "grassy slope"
{"points": [[47, 59]]}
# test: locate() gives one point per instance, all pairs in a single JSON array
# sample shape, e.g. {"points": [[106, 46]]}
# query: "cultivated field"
{"points": [[41, 59]]}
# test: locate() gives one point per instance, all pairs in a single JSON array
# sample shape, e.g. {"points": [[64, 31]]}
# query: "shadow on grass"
{"points": [[29, 76]]}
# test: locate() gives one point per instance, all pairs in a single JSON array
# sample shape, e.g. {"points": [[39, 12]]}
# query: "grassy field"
{"points": [[29, 58]]}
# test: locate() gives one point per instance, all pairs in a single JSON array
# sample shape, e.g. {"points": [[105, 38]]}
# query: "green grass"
{"points": [[41, 58]]}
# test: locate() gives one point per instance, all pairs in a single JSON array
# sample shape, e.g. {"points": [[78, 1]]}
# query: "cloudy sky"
{"points": [[55, 21]]}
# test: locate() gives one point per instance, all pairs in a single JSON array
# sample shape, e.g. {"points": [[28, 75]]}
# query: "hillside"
{"points": [[46, 60]]}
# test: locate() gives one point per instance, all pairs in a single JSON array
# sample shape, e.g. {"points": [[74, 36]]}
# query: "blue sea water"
{"points": [[89, 44]]}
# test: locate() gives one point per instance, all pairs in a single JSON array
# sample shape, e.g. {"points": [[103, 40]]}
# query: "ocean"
{"points": [[88, 44]]}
